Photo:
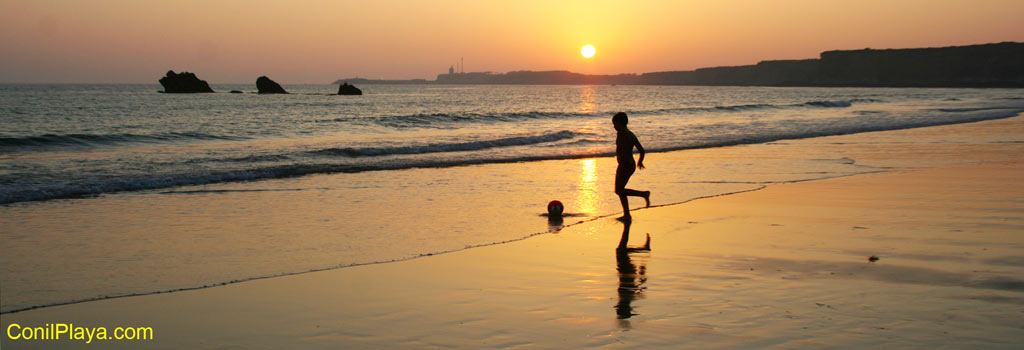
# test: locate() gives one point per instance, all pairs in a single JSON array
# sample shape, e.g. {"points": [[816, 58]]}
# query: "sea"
{"points": [[119, 190]]}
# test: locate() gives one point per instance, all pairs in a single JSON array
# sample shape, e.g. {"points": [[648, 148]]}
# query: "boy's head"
{"points": [[620, 120]]}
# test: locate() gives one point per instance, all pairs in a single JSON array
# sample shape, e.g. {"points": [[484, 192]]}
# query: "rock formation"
{"points": [[267, 86], [183, 83], [346, 89]]}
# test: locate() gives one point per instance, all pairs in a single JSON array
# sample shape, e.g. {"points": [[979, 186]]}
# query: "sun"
{"points": [[588, 51]]}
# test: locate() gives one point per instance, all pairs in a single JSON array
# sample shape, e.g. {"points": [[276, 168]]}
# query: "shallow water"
{"points": [[65, 141]]}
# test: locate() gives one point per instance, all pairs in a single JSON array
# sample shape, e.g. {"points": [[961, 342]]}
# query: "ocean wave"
{"points": [[92, 140], [428, 120], [83, 189], [749, 107], [582, 142], [961, 110], [758, 106], [447, 147], [740, 107], [300, 166], [828, 104], [867, 123]]}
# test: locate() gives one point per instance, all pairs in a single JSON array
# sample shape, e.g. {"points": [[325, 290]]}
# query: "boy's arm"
{"points": [[639, 162]]}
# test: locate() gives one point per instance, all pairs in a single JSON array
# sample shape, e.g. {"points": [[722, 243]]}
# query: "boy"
{"points": [[624, 143]]}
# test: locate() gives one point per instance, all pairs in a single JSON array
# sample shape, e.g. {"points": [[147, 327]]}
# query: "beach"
{"points": [[920, 247], [447, 175], [133, 192]]}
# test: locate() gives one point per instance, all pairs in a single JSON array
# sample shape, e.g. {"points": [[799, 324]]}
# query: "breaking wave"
{"points": [[449, 147]]}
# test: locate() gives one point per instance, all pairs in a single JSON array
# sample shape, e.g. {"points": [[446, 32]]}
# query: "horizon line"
{"points": [[334, 82]]}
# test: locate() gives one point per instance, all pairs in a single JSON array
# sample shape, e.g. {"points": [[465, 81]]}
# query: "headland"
{"points": [[998, 65]]}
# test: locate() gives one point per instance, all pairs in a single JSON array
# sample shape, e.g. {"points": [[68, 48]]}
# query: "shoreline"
{"points": [[684, 199], [531, 235]]}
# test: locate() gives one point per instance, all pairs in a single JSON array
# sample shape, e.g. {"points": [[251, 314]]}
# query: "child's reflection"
{"points": [[631, 276]]}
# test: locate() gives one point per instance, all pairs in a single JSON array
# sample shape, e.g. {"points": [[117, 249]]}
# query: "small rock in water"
{"points": [[183, 83], [267, 86], [346, 89]]}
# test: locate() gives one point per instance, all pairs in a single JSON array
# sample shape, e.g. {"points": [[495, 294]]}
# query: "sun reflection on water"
{"points": [[587, 104], [587, 195]]}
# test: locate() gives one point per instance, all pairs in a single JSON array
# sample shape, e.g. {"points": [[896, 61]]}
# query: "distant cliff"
{"points": [[991, 65], [987, 65], [765, 73], [381, 81]]}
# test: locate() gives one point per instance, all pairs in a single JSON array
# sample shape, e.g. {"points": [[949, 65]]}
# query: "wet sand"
{"points": [[782, 266]]}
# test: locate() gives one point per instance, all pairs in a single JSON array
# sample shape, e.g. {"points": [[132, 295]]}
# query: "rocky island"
{"points": [[346, 89], [267, 86], [183, 83]]}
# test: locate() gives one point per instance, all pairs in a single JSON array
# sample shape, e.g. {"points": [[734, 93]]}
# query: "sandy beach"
{"points": [[780, 265]]}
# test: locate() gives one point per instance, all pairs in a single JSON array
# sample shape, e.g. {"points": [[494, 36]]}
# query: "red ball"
{"points": [[555, 208]]}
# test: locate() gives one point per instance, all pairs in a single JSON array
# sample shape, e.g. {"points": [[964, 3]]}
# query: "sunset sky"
{"points": [[318, 41]]}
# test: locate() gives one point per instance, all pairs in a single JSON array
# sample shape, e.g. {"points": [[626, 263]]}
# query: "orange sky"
{"points": [[318, 41]]}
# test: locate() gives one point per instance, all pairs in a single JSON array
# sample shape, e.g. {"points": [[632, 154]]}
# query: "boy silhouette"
{"points": [[624, 143]]}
